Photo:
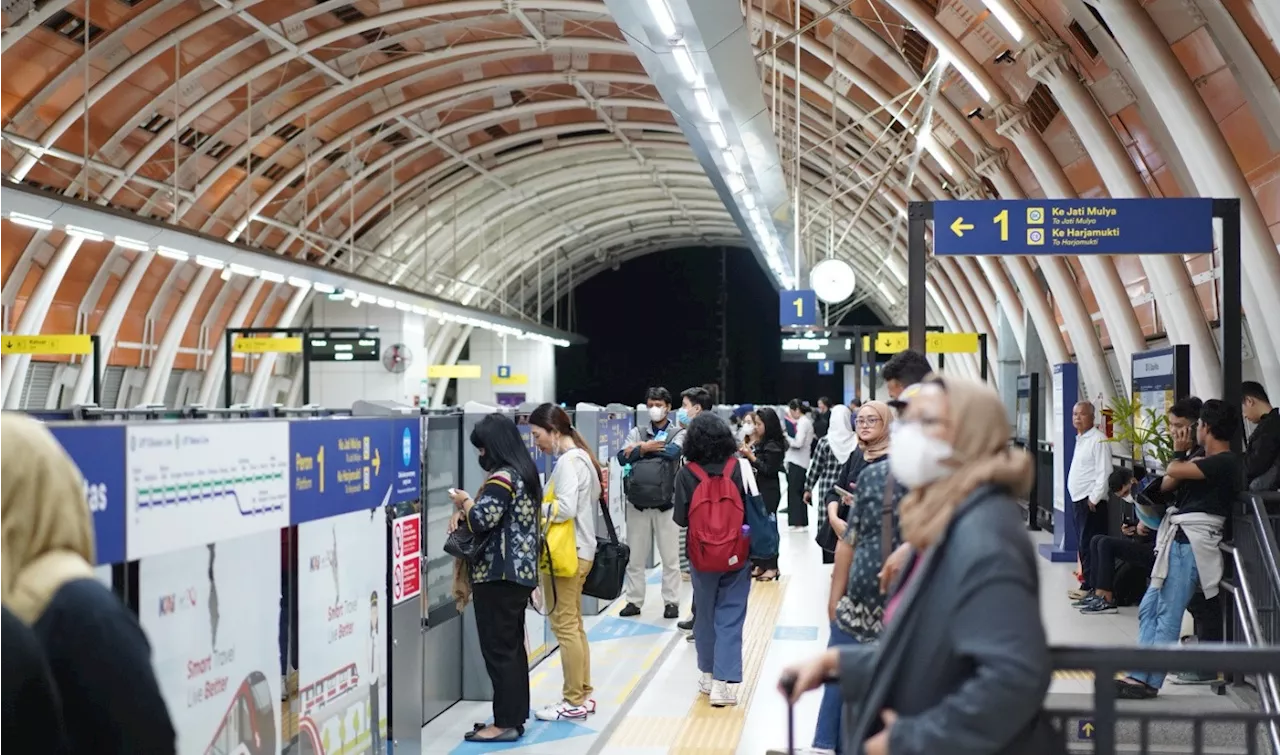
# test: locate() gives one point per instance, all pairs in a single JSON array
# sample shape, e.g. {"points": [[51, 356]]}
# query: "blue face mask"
{"points": [[682, 416]]}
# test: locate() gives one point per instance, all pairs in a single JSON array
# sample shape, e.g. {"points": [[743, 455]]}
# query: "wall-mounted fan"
{"points": [[396, 358]]}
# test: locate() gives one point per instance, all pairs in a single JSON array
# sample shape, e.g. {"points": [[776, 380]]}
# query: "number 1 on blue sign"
{"points": [[1002, 220]]}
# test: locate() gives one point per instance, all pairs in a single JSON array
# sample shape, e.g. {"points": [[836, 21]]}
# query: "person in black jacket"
{"points": [[1262, 452], [765, 452], [99, 657], [32, 712], [822, 419]]}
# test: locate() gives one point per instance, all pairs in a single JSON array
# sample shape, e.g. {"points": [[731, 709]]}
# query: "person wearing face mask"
{"points": [[693, 401], [963, 664], [764, 450], [827, 469], [746, 428], [1136, 548], [505, 572], [651, 458], [799, 454]]}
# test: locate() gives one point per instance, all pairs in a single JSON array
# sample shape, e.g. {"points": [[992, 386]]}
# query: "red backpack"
{"points": [[716, 515]]}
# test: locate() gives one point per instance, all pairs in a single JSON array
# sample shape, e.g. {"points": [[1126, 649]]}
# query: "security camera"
{"points": [[977, 113], [1005, 57]]}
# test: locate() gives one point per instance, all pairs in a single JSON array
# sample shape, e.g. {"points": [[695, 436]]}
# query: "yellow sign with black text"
{"points": [[61, 345], [516, 378], [453, 372], [935, 343], [264, 345]]}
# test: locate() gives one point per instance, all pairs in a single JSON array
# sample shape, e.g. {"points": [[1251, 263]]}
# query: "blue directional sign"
{"points": [[341, 465], [406, 437], [1073, 226], [827, 367], [99, 452], [798, 309]]}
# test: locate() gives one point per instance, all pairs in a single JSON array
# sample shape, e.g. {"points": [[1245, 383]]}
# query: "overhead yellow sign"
{"points": [[266, 345], [453, 371], [935, 343], [516, 378], [73, 344]]}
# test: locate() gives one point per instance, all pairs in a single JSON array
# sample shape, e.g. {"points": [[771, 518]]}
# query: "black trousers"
{"points": [[1089, 522], [1100, 572], [797, 511], [500, 624], [1207, 615]]}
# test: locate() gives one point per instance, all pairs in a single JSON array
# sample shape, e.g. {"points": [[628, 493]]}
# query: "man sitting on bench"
{"points": [[1136, 550]]}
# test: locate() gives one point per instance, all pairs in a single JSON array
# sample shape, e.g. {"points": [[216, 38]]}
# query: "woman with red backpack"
{"points": [[711, 501]]}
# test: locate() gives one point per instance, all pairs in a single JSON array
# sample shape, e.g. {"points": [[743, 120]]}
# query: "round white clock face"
{"points": [[832, 280]]}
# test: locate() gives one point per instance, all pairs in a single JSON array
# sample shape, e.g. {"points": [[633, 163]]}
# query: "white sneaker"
{"points": [[704, 684], [562, 711], [723, 694]]}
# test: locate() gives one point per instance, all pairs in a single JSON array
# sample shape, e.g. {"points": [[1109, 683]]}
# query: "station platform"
{"points": [[645, 672]]}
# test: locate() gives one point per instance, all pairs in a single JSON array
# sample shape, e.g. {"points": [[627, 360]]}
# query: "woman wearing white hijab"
{"points": [[830, 456]]}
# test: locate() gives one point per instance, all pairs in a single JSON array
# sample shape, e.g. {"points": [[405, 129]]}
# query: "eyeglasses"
{"points": [[866, 422]]}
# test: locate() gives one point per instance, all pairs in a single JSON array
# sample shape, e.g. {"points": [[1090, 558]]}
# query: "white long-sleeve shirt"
{"points": [[1090, 467], [801, 444], [575, 489]]}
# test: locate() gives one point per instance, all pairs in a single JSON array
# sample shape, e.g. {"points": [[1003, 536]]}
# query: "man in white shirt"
{"points": [[797, 458], [1087, 484]]}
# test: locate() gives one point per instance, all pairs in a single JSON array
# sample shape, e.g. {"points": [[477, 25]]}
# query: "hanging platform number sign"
{"points": [[798, 309]]}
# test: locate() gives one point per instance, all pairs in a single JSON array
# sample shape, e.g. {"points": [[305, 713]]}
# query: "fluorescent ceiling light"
{"points": [[134, 244], [174, 254], [731, 160], [705, 105], [736, 182], [355, 302], [945, 60], [1005, 18], [88, 234], [324, 288], [209, 262], [402, 306], [662, 16], [296, 282], [419, 310], [31, 221], [887, 294], [385, 302], [271, 277], [245, 270], [684, 61], [366, 298], [225, 275], [749, 201], [718, 135]]}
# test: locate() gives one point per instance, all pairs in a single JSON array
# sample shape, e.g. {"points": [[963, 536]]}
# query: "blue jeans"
{"points": [[826, 735], [1160, 615], [720, 610]]}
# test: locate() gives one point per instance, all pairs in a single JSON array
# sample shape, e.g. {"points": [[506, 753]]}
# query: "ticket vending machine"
{"points": [[442, 665]]}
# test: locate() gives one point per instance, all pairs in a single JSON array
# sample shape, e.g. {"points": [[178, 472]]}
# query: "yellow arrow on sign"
{"points": [[1088, 729], [958, 226], [377, 462], [68, 344]]}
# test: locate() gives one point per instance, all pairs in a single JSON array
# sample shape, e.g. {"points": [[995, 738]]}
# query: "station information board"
{"points": [[1073, 226], [345, 349]]}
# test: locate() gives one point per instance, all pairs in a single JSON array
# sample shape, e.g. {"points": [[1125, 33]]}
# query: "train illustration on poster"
{"points": [[212, 623], [342, 633]]}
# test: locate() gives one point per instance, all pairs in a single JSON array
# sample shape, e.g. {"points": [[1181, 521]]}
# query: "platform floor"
{"points": [[646, 676]]}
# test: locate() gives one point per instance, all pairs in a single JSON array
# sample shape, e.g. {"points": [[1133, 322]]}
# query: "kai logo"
{"points": [[96, 495], [179, 601]]}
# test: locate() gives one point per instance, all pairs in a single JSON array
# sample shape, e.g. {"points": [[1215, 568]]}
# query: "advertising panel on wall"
{"points": [[212, 621], [188, 484], [98, 450], [342, 632]]}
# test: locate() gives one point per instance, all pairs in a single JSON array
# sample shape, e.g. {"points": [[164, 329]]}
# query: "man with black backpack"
{"points": [[651, 458]]}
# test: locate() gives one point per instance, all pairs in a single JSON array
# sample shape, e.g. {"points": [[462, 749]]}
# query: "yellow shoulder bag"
{"points": [[560, 544]]}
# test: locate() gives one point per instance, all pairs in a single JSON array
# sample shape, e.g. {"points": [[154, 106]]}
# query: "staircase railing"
{"points": [[1108, 662]]}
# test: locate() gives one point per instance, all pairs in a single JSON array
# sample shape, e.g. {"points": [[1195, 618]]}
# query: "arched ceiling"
{"points": [[497, 152]]}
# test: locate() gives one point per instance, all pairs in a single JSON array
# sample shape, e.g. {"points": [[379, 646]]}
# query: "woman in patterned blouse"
{"points": [[506, 570], [833, 450]]}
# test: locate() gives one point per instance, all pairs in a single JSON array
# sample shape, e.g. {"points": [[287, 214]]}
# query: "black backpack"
{"points": [[652, 482]]}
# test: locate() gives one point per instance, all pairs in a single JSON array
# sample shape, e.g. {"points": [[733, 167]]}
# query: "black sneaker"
{"points": [[1098, 605], [689, 637], [672, 611], [630, 609], [686, 625]]}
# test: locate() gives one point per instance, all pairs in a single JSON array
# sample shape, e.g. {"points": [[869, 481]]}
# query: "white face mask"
{"points": [[915, 459], [749, 428], [657, 413]]}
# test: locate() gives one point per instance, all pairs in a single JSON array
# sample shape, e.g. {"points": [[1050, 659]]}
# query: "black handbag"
{"points": [[609, 569], [466, 545]]}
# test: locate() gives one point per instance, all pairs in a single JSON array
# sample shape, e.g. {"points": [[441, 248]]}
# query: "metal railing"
{"points": [[1105, 717]]}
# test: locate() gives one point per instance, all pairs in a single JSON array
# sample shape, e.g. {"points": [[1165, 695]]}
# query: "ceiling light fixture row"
{"points": [[734, 172], [227, 270]]}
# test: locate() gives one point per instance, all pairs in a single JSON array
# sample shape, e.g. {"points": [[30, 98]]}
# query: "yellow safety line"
{"points": [[717, 731]]}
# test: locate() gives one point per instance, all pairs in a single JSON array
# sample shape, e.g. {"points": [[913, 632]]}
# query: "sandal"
{"points": [[769, 575], [505, 736]]}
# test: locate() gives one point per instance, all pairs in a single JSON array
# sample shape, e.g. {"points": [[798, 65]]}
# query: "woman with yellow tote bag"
{"points": [[568, 507]]}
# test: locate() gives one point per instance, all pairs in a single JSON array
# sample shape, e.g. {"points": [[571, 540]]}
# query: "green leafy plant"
{"points": [[1144, 430]]}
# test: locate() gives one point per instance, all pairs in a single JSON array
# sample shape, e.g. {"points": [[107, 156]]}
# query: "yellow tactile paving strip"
{"points": [[706, 730]]}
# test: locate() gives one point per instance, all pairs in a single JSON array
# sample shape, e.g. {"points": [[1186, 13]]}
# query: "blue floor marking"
{"points": [[799, 634], [612, 628], [654, 579], [535, 732]]}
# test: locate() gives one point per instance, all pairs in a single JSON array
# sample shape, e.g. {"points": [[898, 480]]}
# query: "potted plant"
{"points": [[1144, 430]]}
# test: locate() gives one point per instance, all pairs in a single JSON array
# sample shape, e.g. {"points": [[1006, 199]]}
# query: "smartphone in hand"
{"points": [[842, 491]]}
